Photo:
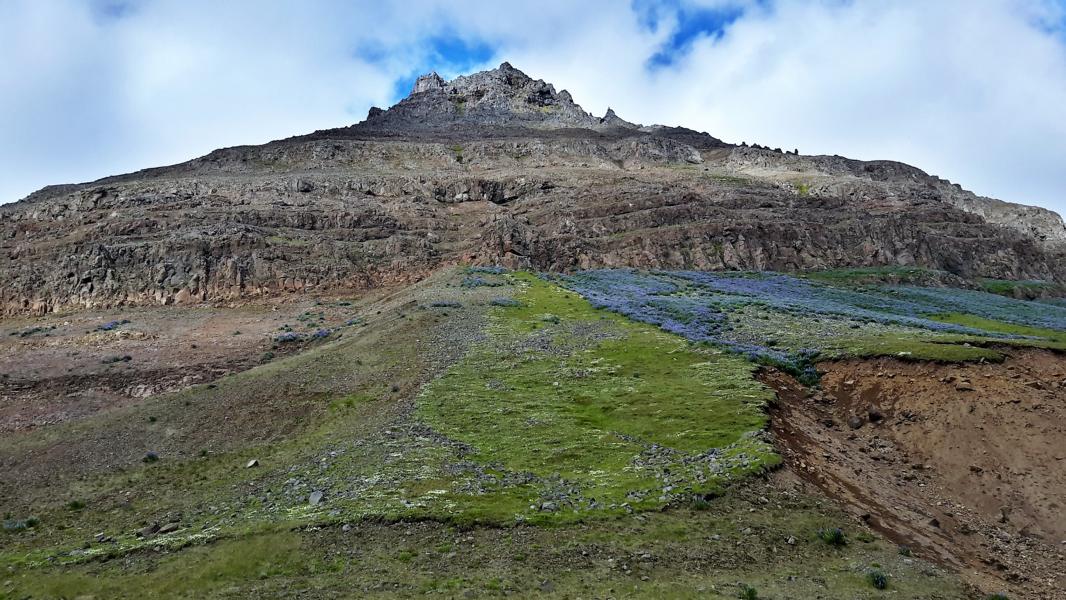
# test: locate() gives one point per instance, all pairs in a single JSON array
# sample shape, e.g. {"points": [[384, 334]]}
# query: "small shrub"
{"points": [[34, 331], [834, 537], [151, 457], [904, 550], [287, 337], [14, 525], [877, 579], [445, 304], [116, 359], [506, 302], [747, 592], [152, 419], [75, 505]]}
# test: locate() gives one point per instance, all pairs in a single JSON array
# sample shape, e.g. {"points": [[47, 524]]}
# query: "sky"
{"points": [[971, 90]]}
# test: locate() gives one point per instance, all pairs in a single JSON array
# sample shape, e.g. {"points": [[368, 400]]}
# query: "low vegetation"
{"points": [[592, 435]]}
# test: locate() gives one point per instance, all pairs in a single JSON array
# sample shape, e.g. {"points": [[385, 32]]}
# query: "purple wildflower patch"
{"points": [[697, 305], [110, 325]]}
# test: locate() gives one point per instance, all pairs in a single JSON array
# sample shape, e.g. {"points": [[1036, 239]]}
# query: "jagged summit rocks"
{"points": [[613, 120], [428, 83]]}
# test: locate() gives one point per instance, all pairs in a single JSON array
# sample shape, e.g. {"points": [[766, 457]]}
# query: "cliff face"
{"points": [[493, 168]]}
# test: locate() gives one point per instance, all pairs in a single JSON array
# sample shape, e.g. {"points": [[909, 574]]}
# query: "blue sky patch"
{"points": [[112, 10], [692, 24], [447, 54]]}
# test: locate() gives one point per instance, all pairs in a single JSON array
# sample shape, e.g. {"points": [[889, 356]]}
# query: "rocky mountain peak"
{"points": [[611, 119], [504, 96]]}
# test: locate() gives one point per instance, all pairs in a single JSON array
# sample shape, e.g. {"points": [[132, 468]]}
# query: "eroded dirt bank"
{"points": [[964, 464]]}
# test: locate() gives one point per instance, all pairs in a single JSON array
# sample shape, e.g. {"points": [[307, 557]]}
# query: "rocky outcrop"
{"points": [[834, 174], [494, 168]]}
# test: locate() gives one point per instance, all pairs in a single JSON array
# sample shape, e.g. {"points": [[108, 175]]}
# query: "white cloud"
{"points": [[972, 91]]}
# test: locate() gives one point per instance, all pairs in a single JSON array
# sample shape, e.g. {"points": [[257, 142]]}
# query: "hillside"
{"points": [[484, 344]]}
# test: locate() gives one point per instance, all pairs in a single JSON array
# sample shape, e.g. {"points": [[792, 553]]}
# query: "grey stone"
{"points": [[874, 413]]}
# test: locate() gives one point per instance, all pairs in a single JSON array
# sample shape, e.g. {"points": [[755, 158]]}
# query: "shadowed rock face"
{"points": [[493, 168]]}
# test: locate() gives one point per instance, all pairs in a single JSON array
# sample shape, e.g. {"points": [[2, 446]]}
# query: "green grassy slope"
{"points": [[463, 445]]}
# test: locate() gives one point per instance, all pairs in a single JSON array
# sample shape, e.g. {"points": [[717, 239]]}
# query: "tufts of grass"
{"points": [[833, 536]]}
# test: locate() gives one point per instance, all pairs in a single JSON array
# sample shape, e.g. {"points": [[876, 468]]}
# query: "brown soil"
{"points": [[72, 370], [966, 464]]}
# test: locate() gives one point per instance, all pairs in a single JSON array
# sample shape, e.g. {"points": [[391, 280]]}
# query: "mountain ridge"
{"points": [[494, 168]]}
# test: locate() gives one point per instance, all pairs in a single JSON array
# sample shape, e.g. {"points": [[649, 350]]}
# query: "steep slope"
{"points": [[493, 168]]}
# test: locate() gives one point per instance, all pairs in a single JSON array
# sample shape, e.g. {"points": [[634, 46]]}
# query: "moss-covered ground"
{"points": [[567, 402]]}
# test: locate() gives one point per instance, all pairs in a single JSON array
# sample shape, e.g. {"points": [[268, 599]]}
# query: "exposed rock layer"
{"points": [[493, 168]]}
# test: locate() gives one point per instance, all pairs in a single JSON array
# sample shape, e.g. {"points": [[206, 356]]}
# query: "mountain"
{"points": [[494, 168], [383, 361]]}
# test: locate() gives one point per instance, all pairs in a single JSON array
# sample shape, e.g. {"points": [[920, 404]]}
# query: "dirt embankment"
{"points": [[963, 464]]}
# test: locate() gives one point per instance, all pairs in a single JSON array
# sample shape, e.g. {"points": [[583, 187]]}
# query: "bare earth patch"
{"points": [[80, 364], [964, 463]]}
